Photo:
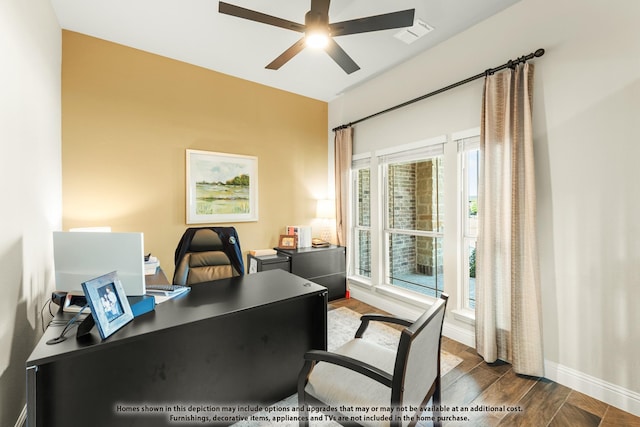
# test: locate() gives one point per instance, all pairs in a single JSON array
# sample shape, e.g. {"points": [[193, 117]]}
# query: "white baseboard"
{"points": [[22, 418], [456, 333], [612, 394]]}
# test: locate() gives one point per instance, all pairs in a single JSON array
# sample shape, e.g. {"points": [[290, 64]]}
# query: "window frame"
{"points": [[410, 153], [465, 145], [360, 163]]}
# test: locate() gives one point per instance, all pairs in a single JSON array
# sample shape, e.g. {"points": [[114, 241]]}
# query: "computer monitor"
{"points": [[82, 256]]}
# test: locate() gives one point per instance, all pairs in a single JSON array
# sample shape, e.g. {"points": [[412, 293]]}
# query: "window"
{"points": [[469, 149], [414, 220], [362, 218], [414, 223]]}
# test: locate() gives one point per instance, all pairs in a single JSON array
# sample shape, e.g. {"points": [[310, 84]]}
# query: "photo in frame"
{"points": [[288, 241], [221, 187], [110, 308]]}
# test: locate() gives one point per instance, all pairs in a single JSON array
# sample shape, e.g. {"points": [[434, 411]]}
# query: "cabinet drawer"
{"points": [[321, 263]]}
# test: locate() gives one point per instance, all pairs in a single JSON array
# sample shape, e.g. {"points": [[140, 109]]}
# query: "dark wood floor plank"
{"points": [[539, 405], [499, 367], [452, 346], [587, 403], [469, 362], [570, 415], [468, 387], [615, 417], [492, 405]]}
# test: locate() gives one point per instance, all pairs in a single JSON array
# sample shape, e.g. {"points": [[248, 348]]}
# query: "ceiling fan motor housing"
{"points": [[316, 22]]}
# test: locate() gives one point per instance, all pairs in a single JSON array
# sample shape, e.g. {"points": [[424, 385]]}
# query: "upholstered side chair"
{"points": [[394, 385]]}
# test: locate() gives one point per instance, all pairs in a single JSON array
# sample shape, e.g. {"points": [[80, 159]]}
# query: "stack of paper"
{"points": [[151, 266]]}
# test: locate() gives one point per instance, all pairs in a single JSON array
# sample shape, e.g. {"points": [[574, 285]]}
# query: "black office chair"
{"points": [[207, 253], [362, 374]]}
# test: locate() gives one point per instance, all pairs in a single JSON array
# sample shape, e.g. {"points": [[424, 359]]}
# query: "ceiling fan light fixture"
{"points": [[316, 39]]}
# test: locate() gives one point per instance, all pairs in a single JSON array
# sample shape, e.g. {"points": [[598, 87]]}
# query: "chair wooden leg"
{"points": [[437, 401], [303, 414], [303, 408]]}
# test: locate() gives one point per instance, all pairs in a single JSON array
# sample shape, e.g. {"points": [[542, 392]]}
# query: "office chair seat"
{"points": [[327, 380]]}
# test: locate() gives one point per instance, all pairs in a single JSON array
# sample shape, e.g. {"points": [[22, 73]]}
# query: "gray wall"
{"points": [[586, 131], [30, 184]]}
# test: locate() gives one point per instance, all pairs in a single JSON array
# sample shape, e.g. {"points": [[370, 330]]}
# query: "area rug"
{"points": [[342, 324]]}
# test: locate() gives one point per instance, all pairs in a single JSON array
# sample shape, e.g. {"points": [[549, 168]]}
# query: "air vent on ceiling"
{"points": [[413, 33]]}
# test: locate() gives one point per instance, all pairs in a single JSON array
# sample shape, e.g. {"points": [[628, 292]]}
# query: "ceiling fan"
{"points": [[317, 30]]}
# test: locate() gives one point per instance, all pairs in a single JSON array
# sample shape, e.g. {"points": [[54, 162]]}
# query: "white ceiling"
{"points": [[194, 32]]}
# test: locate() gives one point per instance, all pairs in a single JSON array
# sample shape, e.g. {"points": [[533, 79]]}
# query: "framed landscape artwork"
{"points": [[221, 187]]}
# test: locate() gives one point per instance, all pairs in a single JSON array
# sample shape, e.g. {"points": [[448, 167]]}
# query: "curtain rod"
{"points": [[510, 64]]}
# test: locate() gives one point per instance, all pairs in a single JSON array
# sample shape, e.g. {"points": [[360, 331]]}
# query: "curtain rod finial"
{"points": [[539, 53]]}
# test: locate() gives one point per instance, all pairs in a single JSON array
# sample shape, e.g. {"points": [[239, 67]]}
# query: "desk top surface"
{"points": [[205, 300]]}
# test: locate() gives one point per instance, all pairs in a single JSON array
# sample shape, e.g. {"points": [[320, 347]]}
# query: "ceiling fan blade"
{"points": [[403, 18], [320, 6], [286, 55], [341, 57], [252, 15]]}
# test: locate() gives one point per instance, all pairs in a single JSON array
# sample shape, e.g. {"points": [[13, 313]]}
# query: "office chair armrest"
{"points": [[366, 318], [350, 363]]}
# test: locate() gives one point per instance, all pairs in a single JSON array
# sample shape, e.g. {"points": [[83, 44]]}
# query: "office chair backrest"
{"points": [[417, 365], [203, 255]]}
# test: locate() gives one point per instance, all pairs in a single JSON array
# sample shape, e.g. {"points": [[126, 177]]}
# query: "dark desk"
{"points": [[232, 341]]}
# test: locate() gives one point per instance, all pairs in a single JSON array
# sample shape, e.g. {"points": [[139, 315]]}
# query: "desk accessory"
{"points": [[110, 309], [58, 297], [69, 324], [142, 304], [162, 293], [288, 241], [74, 301], [319, 243]]}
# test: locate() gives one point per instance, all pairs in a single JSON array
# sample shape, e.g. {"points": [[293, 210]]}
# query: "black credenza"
{"points": [[231, 341], [324, 266]]}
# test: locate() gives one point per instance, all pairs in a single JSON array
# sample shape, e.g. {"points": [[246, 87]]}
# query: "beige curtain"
{"points": [[508, 310], [343, 144]]}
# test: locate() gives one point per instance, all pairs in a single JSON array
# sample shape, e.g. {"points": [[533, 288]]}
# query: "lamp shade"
{"points": [[326, 209]]}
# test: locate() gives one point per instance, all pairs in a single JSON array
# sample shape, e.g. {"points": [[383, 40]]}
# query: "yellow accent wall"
{"points": [[128, 118]]}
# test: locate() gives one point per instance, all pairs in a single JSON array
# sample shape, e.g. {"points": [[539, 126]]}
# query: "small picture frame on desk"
{"points": [[110, 308], [288, 241]]}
